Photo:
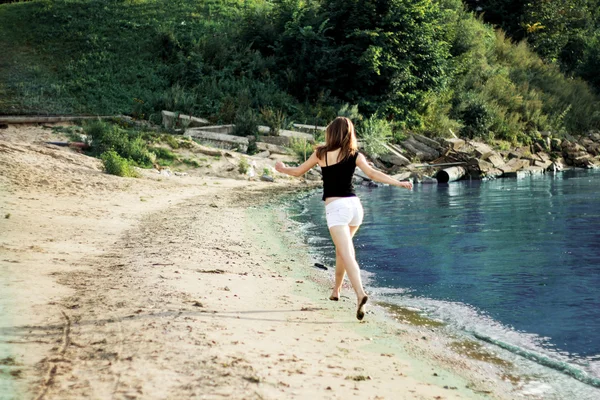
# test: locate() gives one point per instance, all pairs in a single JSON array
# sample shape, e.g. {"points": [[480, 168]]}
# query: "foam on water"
{"points": [[560, 374], [465, 228]]}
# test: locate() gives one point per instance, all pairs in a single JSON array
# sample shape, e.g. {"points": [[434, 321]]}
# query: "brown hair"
{"points": [[339, 135]]}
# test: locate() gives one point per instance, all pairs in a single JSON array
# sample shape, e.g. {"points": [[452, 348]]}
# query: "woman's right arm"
{"points": [[379, 176], [299, 170]]}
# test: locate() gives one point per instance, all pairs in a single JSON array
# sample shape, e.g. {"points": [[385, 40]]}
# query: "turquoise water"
{"points": [[515, 261]]}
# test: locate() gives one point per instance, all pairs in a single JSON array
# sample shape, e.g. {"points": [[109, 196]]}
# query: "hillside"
{"points": [[426, 66]]}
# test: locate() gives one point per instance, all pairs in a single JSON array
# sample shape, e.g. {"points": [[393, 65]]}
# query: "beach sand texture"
{"points": [[182, 288]]}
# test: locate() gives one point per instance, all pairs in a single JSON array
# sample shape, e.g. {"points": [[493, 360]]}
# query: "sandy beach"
{"points": [[187, 287]]}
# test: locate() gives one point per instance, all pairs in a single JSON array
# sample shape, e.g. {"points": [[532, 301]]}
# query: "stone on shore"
{"points": [[171, 120]]}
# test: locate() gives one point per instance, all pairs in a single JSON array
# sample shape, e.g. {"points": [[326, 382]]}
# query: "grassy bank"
{"points": [[425, 65]]}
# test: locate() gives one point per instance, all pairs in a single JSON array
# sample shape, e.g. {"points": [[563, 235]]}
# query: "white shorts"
{"points": [[344, 211]]}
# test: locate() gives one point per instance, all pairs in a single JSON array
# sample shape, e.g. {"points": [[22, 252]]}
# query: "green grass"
{"points": [[111, 57], [138, 57]]}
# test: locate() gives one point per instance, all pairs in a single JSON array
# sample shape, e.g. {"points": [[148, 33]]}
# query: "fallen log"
{"points": [[428, 142], [418, 149], [451, 174]]}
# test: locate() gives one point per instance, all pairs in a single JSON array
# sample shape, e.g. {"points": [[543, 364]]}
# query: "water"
{"points": [[515, 261]]}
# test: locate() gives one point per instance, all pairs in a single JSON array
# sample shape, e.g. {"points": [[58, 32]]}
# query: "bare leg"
{"points": [[340, 269], [343, 243]]}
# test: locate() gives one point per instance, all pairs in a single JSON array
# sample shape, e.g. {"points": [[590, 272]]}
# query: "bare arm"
{"points": [[379, 176], [299, 170]]}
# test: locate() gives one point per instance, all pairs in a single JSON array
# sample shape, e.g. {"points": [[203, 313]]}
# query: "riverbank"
{"points": [[182, 287]]}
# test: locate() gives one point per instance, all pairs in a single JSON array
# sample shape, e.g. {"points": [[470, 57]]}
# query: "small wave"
{"points": [[467, 320]]}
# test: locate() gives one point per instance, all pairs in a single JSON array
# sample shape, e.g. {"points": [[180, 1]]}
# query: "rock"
{"points": [[454, 143], [493, 173], [543, 156], [542, 164], [583, 161], [171, 120], [494, 158], [266, 178], [370, 184], [537, 147], [276, 140], [555, 144], [395, 158], [595, 137], [481, 148], [545, 134], [222, 139], [514, 165], [273, 148], [528, 171], [263, 154], [514, 154]]}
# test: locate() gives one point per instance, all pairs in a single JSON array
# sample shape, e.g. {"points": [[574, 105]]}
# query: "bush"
{"points": [[350, 112], [476, 117], [163, 156], [243, 166], [246, 123], [117, 165], [273, 119], [127, 144], [302, 148], [374, 133]]}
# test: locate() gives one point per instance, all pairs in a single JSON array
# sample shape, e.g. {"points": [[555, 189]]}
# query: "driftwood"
{"points": [[394, 157], [451, 174], [40, 119], [427, 141], [418, 149]]}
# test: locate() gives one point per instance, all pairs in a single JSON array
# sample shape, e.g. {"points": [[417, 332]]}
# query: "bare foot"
{"points": [[335, 295], [360, 313]]}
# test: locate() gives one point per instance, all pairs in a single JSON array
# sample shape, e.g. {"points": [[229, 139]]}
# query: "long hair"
{"points": [[339, 135]]}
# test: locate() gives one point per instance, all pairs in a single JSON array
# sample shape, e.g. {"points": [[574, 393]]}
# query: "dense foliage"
{"points": [[424, 65], [565, 32]]}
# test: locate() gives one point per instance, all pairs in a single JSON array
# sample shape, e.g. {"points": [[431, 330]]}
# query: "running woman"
{"points": [[338, 158]]}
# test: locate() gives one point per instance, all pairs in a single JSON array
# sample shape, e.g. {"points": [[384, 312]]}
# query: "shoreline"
{"points": [[186, 287], [513, 371]]}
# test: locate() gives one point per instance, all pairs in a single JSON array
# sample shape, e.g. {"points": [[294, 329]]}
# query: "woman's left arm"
{"points": [[299, 170], [379, 176]]}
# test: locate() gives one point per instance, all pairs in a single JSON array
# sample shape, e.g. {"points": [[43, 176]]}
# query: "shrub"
{"points": [[191, 163], [375, 133], [171, 141], [117, 165], [127, 144], [273, 119], [350, 112], [302, 148], [243, 166], [246, 123]]}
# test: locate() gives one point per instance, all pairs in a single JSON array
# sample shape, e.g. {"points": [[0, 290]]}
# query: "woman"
{"points": [[338, 158]]}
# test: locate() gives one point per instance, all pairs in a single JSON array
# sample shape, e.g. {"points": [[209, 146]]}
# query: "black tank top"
{"points": [[337, 178]]}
